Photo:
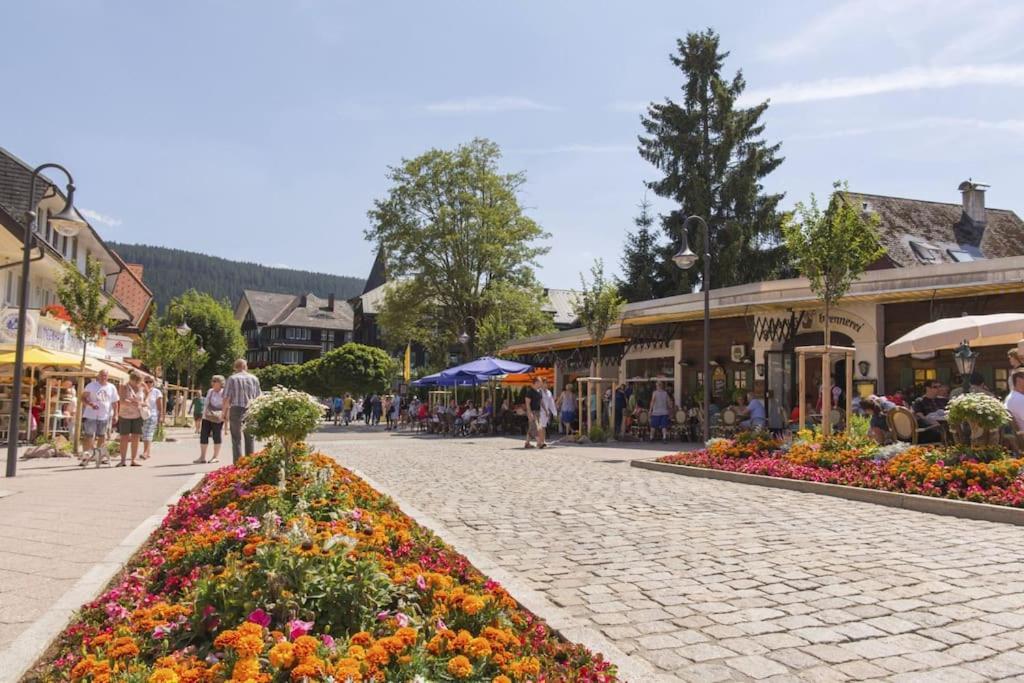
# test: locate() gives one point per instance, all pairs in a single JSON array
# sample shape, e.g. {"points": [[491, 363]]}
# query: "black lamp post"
{"points": [[184, 330], [965, 360], [685, 259], [466, 335], [66, 223]]}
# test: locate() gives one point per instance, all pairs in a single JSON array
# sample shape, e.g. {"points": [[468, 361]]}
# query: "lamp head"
{"points": [[965, 359], [183, 329], [464, 338], [68, 223]]}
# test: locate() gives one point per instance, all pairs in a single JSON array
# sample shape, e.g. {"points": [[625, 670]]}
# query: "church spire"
{"points": [[378, 274]]}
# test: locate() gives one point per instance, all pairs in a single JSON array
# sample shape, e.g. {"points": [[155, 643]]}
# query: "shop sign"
{"points": [[119, 346], [9, 325], [838, 320], [52, 334]]}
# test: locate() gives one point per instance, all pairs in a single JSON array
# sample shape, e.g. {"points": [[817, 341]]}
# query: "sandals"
{"points": [[199, 461], [121, 464], [210, 462], [136, 464]]}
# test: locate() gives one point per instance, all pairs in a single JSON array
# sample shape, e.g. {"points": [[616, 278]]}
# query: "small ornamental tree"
{"points": [[285, 415], [352, 367], [597, 307], [86, 308]]}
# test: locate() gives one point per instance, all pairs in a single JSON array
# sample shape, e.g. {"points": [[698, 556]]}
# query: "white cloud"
{"points": [[100, 218], [902, 80], [575, 149], [476, 105]]}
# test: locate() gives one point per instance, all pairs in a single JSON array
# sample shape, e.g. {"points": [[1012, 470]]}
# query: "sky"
{"points": [[263, 131]]}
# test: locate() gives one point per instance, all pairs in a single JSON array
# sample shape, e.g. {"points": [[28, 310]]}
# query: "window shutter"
{"points": [[943, 375], [906, 379]]}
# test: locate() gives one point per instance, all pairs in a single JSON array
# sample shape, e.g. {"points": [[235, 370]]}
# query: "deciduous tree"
{"points": [[597, 307], [214, 323]]}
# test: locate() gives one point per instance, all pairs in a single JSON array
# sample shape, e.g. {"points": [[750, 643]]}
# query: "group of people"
{"points": [[368, 409], [225, 401], [136, 409]]}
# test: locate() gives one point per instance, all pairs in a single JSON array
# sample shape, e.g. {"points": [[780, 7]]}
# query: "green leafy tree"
{"points": [[162, 348], [832, 248], [82, 296], [352, 368], [453, 232], [218, 332], [598, 306], [277, 375], [641, 259], [713, 160]]}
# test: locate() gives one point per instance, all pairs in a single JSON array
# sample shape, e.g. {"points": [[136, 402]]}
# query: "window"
{"points": [[290, 356], [74, 249], [297, 333], [739, 379], [960, 256], [923, 375], [1001, 379], [926, 253]]}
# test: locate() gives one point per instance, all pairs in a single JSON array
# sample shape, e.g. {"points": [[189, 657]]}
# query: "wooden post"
{"points": [[849, 389], [800, 358], [579, 413], [826, 393]]}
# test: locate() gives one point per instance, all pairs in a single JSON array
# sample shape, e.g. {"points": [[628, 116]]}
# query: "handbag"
{"points": [[144, 413]]}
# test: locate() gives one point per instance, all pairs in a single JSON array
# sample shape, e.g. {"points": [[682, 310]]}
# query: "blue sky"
{"points": [[262, 130]]}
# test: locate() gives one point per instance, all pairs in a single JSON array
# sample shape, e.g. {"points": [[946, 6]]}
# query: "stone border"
{"points": [[908, 501], [32, 643], [630, 668]]}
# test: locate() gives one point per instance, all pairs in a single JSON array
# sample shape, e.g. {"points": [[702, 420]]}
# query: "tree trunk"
{"points": [[600, 394], [79, 405]]}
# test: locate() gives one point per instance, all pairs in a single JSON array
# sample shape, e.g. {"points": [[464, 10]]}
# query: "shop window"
{"points": [[1001, 379], [924, 375], [739, 379], [646, 368]]}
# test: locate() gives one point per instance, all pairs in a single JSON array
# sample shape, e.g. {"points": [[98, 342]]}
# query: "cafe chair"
{"points": [[642, 425], [730, 422], [903, 425]]}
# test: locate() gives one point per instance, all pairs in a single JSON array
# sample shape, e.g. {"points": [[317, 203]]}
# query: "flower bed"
{"points": [[981, 475], [322, 579]]}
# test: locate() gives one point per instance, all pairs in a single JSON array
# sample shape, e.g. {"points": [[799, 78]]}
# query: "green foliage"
{"points": [[859, 427], [162, 348], [597, 434], [714, 159], [598, 305], [831, 248], [354, 368], [287, 415], [641, 274], [978, 409], [457, 244], [213, 326], [172, 272], [82, 296]]}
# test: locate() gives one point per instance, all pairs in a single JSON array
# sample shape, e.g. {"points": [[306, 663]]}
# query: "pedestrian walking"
{"points": [[531, 398], [241, 388], [376, 409], [132, 412], [156, 416], [213, 420], [348, 409], [197, 412], [100, 399], [548, 412]]}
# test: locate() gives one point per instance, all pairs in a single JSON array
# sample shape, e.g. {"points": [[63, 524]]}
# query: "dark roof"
{"points": [[378, 274], [271, 308], [15, 177], [560, 304], [909, 228]]}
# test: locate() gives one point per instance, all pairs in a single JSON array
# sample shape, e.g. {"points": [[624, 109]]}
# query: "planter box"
{"points": [[908, 501]]}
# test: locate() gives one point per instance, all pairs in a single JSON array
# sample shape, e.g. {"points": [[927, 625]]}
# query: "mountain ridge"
{"points": [[169, 272]]}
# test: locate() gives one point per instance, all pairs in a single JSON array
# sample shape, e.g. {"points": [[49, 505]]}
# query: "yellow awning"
{"points": [[37, 355]]}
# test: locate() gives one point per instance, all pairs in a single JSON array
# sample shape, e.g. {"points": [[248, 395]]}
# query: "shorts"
{"points": [[149, 427], [568, 416], [129, 425], [659, 421], [209, 429], [92, 427]]}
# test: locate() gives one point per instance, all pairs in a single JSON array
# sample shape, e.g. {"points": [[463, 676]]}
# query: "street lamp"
{"points": [[965, 359], [184, 330], [685, 259], [465, 337], [67, 223]]}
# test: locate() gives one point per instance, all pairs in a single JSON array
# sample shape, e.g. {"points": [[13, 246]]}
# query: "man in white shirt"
{"points": [[1015, 399], [100, 400]]}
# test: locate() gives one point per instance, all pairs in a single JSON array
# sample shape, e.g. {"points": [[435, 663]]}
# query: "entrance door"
{"points": [[779, 375]]}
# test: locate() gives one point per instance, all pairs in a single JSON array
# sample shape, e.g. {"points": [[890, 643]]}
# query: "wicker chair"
{"points": [[903, 425], [730, 422], [642, 425], [680, 426]]}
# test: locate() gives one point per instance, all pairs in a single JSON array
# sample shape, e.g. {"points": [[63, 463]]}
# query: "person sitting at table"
{"points": [[925, 409], [1015, 399], [754, 415], [977, 386], [879, 423]]}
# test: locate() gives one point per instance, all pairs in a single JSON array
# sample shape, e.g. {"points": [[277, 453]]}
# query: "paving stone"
{"points": [[757, 667], [702, 652]]}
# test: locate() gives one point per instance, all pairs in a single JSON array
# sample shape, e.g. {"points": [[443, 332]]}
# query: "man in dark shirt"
{"points": [[531, 397], [924, 406]]}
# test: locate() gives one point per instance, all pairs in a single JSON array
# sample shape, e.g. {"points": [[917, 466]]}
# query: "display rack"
{"points": [[25, 415]]}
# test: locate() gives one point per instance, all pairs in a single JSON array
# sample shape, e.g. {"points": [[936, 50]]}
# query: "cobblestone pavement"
{"points": [[62, 526], [716, 581]]}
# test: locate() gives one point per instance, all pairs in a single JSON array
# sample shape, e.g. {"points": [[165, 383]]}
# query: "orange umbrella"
{"points": [[523, 378]]}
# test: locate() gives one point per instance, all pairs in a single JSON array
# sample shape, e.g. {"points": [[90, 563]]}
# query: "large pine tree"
{"points": [[641, 259], [713, 159]]}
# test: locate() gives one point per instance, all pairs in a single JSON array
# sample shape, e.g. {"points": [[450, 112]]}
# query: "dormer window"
{"points": [[926, 253], [960, 256]]}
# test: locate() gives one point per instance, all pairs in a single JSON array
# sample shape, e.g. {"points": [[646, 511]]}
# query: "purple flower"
{"points": [[441, 626], [258, 616], [381, 616], [297, 627], [402, 619]]}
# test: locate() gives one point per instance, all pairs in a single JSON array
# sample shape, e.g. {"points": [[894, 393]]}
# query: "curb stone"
{"points": [[630, 668], [963, 509], [30, 645]]}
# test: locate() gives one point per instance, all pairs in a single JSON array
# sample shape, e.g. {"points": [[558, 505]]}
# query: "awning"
{"points": [[39, 356], [978, 330]]}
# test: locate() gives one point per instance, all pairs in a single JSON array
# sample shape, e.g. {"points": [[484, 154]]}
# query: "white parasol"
{"points": [[978, 330]]}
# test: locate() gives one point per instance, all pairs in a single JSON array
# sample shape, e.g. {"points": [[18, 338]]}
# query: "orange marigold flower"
{"points": [[361, 638], [123, 648], [347, 669], [356, 652], [406, 635], [305, 646], [164, 675], [282, 655], [226, 639], [479, 648], [392, 644], [249, 646], [245, 669], [472, 604], [502, 679], [312, 670], [460, 667], [377, 656], [462, 640]]}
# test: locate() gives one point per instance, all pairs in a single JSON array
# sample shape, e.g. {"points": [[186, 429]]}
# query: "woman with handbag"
{"points": [[156, 416], [134, 410], [213, 420]]}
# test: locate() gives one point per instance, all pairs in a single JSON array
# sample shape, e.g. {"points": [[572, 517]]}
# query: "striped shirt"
{"points": [[241, 388]]}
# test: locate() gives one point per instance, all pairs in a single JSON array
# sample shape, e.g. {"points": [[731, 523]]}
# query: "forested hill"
{"points": [[169, 272]]}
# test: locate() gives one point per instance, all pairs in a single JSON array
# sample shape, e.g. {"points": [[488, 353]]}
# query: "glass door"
{"points": [[779, 374]]}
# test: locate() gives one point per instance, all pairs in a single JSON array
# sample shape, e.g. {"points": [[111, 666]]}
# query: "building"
{"points": [[291, 329], [133, 300], [941, 260]]}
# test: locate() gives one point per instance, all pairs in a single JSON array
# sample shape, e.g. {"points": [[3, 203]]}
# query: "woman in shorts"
{"points": [[133, 398], [212, 424]]}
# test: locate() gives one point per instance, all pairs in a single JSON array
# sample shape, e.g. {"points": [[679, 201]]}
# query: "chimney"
{"points": [[302, 301], [330, 302], [974, 201]]}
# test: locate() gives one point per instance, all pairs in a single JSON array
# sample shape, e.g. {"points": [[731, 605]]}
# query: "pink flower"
{"points": [[421, 583], [297, 627], [402, 620], [327, 640], [441, 626], [381, 616], [258, 616]]}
